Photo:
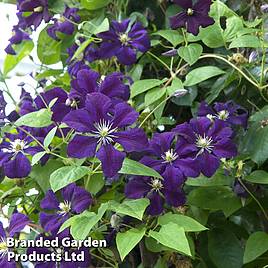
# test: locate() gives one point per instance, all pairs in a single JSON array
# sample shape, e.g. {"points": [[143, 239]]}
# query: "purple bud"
{"points": [[180, 93], [170, 53]]}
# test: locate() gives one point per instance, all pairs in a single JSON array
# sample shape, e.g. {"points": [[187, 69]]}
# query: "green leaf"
{"points": [[141, 86], [191, 53], [81, 48], [175, 86], [133, 208], [126, 241], [258, 176], [154, 95], [212, 36], [48, 49], [49, 137], [172, 236], [103, 27], [22, 50], [202, 74], [255, 142], [94, 4], [256, 245], [225, 249], [37, 157], [246, 41], [66, 175], [215, 198], [171, 36], [132, 167], [41, 118], [41, 174], [218, 179], [96, 183], [71, 221], [234, 25], [187, 223], [81, 227]]}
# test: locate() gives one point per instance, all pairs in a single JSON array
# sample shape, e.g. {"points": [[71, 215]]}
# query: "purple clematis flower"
{"points": [[171, 160], [17, 223], [38, 10], [229, 112], [61, 251], [193, 15], [17, 38], [101, 124], [63, 25], [207, 143], [74, 200], [156, 190], [13, 151], [89, 81], [123, 40]]}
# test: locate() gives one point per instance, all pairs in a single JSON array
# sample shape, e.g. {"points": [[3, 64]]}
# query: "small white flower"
{"points": [[32, 192]]}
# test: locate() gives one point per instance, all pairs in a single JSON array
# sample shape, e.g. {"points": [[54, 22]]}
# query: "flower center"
{"points": [[38, 9], [65, 207], [169, 156], [190, 12], [223, 115], [156, 184], [3, 247], [204, 143], [16, 146], [104, 132], [123, 37]]}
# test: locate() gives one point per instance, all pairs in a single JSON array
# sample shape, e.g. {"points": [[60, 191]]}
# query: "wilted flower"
{"points": [[31, 13], [207, 143], [229, 112], [102, 124], [17, 223], [64, 24], [123, 40], [74, 200], [89, 81], [156, 190], [193, 15]]}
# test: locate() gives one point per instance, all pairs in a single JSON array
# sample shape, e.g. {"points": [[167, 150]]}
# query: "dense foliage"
{"points": [[153, 135]]}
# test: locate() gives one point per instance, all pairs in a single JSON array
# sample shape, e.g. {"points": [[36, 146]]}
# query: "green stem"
{"points": [[254, 198], [158, 59], [102, 259]]}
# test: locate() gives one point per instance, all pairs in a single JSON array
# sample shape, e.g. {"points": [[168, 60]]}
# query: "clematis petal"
{"points": [[82, 146], [132, 140], [111, 160], [81, 200], [98, 106], [126, 55], [17, 223], [208, 164], [124, 115], [137, 187], [50, 201], [19, 167], [78, 120], [156, 206]]}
